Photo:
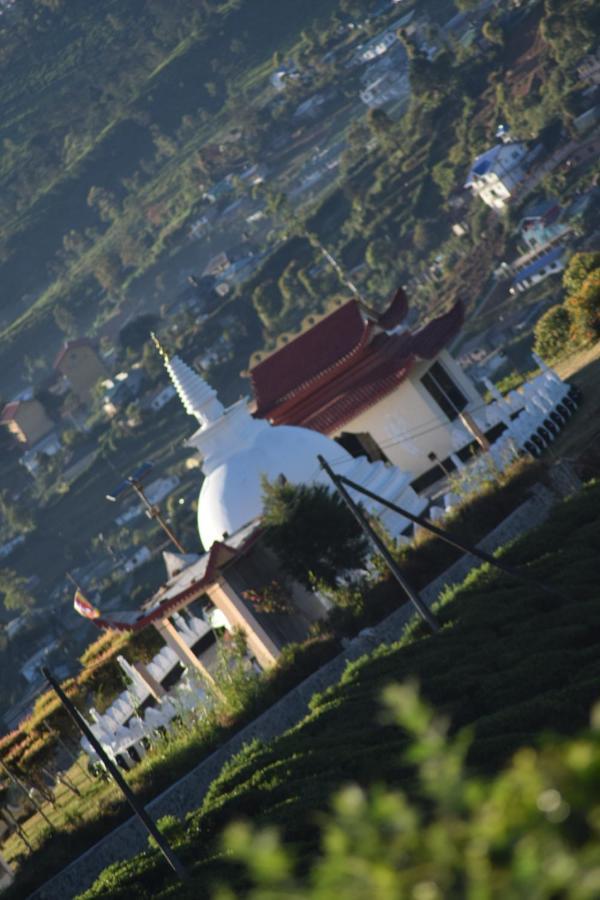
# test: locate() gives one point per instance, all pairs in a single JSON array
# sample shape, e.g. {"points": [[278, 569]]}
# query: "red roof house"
{"points": [[345, 363]]}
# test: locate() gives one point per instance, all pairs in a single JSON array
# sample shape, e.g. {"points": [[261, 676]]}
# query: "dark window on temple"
{"points": [[361, 444], [444, 391]]}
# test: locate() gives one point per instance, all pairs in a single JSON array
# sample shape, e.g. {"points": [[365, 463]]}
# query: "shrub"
{"points": [[576, 273], [527, 832], [552, 332], [584, 310], [312, 532]]}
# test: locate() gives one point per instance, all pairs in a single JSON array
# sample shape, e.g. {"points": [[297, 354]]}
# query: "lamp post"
{"points": [[134, 482]]}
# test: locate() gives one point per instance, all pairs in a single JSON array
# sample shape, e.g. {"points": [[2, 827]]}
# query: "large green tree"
{"points": [[312, 532]]}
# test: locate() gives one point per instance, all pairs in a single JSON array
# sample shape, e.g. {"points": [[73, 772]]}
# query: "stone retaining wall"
{"points": [[187, 793]]}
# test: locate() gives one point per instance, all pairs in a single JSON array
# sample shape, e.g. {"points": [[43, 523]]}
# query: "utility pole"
{"points": [[134, 482], [453, 542], [139, 810], [18, 783], [380, 547]]}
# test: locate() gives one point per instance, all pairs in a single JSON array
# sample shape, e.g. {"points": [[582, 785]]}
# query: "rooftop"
{"points": [[68, 346], [345, 363], [185, 587], [540, 263]]}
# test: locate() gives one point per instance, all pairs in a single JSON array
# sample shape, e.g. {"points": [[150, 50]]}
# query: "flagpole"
{"points": [[72, 580]]}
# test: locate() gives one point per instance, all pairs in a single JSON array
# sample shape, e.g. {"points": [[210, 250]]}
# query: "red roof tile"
{"points": [[428, 342], [219, 555], [396, 311], [380, 367], [328, 344]]}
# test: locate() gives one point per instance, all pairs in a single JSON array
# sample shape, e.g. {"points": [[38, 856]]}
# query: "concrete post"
{"points": [[154, 686], [175, 641], [223, 596]]}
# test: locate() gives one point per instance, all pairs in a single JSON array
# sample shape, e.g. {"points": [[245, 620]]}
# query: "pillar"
{"points": [[223, 596], [175, 641], [474, 429], [154, 686]]}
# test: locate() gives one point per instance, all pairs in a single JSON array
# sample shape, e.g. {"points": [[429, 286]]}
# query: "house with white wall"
{"points": [[377, 387], [497, 174]]}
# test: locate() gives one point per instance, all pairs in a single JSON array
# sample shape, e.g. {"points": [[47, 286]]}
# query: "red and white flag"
{"points": [[84, 607]]}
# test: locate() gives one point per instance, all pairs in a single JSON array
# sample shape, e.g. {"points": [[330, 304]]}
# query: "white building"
{"points": [[496, 175], [375, 386], [384, 85], [550, 263], [238, 451]]}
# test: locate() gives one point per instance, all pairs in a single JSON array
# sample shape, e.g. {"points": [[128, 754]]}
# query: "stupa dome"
{"points": [[231, 495], [238, 451]]}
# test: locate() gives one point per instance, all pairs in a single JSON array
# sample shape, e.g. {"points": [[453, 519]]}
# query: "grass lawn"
{"points": [[511, 663], [582, 369]]}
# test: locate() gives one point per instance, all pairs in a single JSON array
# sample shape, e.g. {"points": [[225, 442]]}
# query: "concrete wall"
{"points": [[187, 794], [31, 422], [408, 424]]}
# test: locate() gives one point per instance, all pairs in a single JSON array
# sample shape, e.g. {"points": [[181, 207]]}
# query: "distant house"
{"points": [[141, 556], [220, 189], [27, 420], [496, 175], [309, 109], [255, 174], [589, 68], [48, 446], [550, 263], [385, 81], [80, 363], [7, 548], [280, 79], [30, 670], [217, 264], [160, 398], [541, 224], [587, 120], [121, 390]]}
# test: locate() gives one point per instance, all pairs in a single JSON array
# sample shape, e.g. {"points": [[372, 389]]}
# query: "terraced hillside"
{"points": [[511, 663]]}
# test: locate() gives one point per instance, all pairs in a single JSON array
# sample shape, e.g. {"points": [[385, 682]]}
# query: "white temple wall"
{"points": [[408, 424]]}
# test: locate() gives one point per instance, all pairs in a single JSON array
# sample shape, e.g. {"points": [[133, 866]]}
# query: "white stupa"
{"points": [[238, 451]]}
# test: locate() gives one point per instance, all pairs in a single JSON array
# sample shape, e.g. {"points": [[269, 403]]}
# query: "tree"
{"points": [[493, 33], [551, 332], [106, 269], [65, 320], [14, 517], [266, 300], [445, 178], [14, 589], [135, 334], [104, 202], [584, 310], [580, 266], [421, 237], [522, 832], [312, 532]]}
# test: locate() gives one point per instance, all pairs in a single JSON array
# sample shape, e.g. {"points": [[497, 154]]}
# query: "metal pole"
{"points": [[67, 749], [138, 808], [16, 781], [374, 538], [155, 514], [20, 831], [465, 548]]}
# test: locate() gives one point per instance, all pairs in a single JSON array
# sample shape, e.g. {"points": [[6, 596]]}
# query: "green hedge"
{"points": [[511, 664]]}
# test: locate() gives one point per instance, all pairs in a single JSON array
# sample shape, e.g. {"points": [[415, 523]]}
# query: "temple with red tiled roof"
{"points": [[366, 379]]}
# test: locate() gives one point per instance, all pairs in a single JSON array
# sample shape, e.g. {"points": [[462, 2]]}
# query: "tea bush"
{"points": [[512, 664]]}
